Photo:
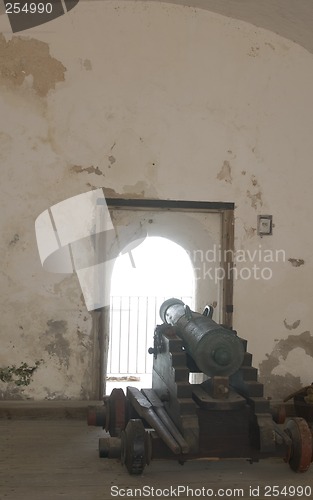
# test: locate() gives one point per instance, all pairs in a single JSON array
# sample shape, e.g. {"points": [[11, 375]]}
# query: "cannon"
{"points": [[214, 349], [223, 416]]}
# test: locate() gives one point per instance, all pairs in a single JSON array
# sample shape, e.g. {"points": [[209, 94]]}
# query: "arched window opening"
{"points": [[156, 270]]}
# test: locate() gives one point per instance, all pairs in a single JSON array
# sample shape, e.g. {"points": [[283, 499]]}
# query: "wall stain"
{"points": [[256, 199], [84, 340], [250, 231], [19, 375], [112, 160], [12, 393], [293, 326], [55, 396], [14, 240], [254, 51], [110, 193], [254, 181], [59, 345], [87, 65], [225, 173], [90, 170], [296, 262], [270, 45], [136, 191], [141, 190], [278, 386], [21, 58]]}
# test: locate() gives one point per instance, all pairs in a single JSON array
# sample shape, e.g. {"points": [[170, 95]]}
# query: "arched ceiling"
{"points": [[291, 19]]}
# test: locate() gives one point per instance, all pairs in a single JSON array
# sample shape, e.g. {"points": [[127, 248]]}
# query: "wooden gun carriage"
{"points": [[225, 416]]}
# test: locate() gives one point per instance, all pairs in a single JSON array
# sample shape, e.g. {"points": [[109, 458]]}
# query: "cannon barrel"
{"points": [[215, 349]]}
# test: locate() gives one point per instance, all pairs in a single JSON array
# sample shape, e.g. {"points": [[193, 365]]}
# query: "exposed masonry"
{"points": [[18, 375], [20, 58], [278, 386], [59, 345]]}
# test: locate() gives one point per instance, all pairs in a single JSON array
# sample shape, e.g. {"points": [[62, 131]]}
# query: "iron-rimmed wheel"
{"points": [[300, 455], [133, 453], [116, 414]]}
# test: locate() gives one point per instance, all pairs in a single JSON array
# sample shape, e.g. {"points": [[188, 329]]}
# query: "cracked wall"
{"points": [[158, 101]]}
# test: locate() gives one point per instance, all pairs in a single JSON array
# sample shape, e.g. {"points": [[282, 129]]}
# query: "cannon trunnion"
{"points": [[226, 416]]}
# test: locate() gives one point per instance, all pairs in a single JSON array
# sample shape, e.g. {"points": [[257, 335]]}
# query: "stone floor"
{"points": [[51, 459]]}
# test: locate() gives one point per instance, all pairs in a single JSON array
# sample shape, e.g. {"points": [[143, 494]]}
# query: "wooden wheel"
{"points": [[116, 414], [133, 454], [300, 455]]}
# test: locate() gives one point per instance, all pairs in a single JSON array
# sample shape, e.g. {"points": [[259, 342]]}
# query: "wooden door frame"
{"points": [[226, 210]]}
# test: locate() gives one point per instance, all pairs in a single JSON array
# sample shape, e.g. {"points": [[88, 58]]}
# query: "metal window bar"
{"points": [[132, 323]]}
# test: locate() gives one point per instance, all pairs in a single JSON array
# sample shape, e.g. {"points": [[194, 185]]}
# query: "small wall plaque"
{"points": [[265, 225]]}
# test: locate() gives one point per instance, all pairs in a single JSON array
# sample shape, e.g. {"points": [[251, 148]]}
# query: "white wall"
{"points": [[153, 100]]}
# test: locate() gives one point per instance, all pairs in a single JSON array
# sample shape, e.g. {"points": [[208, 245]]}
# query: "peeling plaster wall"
{"points": [[158, 101]]}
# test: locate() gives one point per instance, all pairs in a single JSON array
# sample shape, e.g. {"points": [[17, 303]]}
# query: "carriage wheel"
{"points": [[133, 454], [116, 415], [300, 454]]}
